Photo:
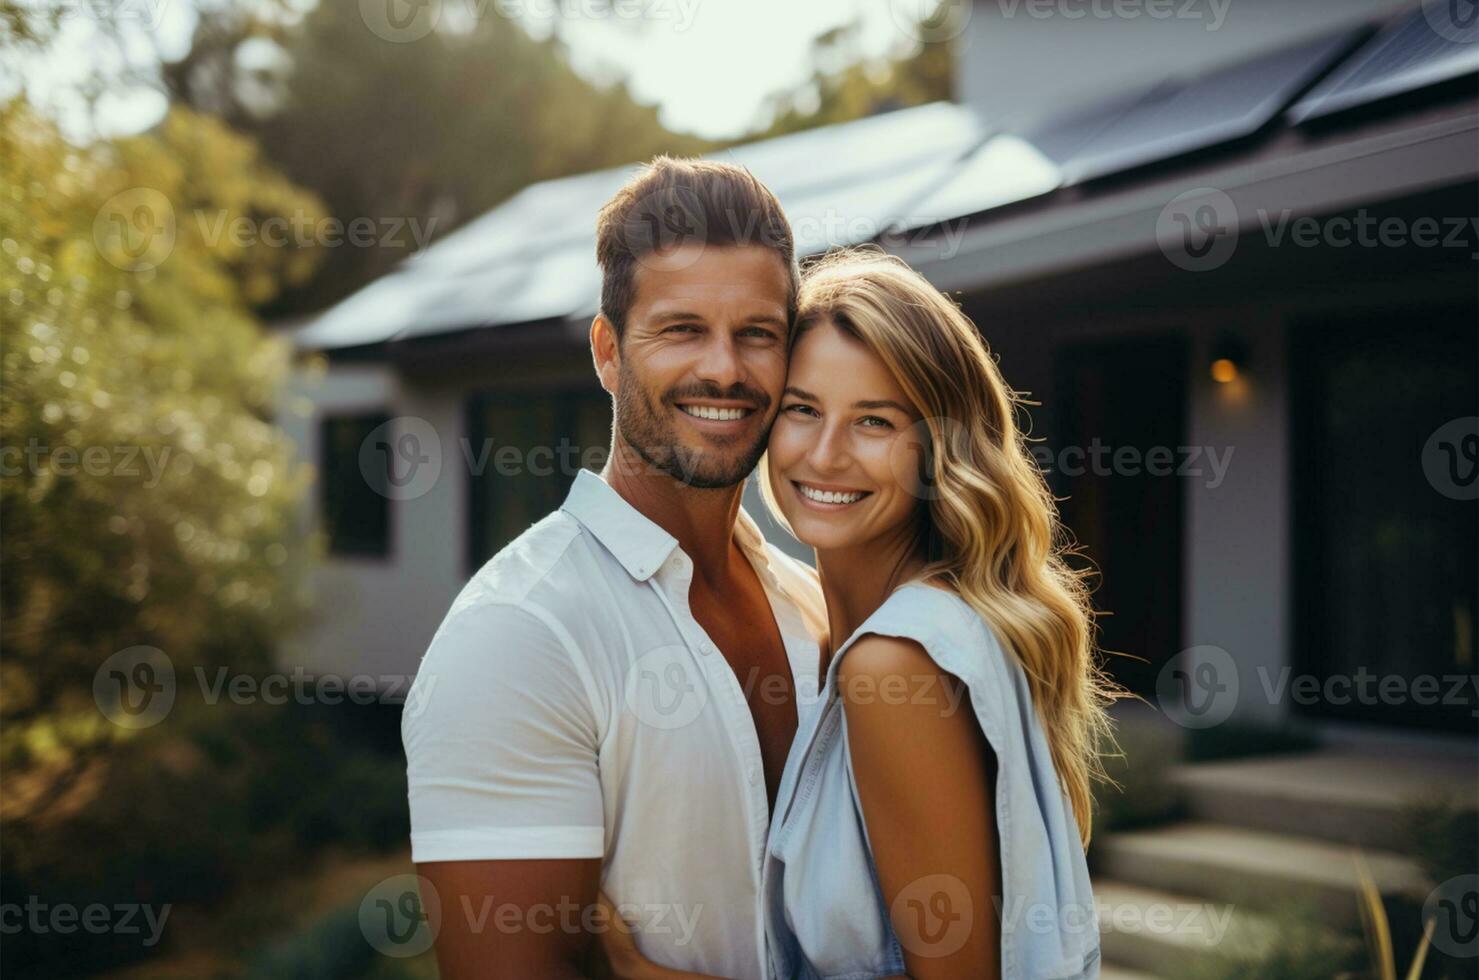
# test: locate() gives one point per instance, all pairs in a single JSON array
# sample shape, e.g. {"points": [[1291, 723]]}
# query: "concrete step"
{"points": [[1254, 868], [1111, 972], [1166, 934], [1344, 795]]}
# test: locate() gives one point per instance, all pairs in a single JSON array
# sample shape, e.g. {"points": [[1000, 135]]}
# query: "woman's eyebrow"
{"points": [[871, 404]]}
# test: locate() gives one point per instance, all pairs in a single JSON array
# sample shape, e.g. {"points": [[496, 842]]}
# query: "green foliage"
{"points": [[147, 497], [1443, 835], [845, 86], [229, 799]]}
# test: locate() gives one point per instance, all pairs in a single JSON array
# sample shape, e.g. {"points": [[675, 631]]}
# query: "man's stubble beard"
{"points": [[643, 426]]}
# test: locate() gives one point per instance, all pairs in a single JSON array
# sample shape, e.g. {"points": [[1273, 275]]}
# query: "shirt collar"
{"points": [[638, 543]]}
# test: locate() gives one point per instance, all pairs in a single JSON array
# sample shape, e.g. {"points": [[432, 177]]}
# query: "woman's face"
{"points": [[845, 449]]}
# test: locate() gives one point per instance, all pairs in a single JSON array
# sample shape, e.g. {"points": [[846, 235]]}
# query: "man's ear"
{"points": [[606, 352]]}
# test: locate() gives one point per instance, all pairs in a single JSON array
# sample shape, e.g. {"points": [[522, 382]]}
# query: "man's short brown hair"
{"points": [[674, 202]]}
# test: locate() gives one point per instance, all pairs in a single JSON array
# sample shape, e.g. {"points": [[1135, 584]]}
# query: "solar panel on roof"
{"points": [[1225, 105], [1435, 43]]}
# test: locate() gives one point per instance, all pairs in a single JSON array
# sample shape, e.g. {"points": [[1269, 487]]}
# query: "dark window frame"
{"points": [[379, 544]]}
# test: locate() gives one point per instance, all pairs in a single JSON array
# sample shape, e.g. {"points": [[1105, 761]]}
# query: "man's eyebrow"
{"points": [[881, 403], [673, 315]]}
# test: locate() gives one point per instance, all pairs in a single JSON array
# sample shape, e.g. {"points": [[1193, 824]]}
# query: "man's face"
{"points": [[703, 361]]}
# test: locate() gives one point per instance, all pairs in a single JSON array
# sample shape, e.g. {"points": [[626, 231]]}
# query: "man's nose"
{"points": [[720, 363]]}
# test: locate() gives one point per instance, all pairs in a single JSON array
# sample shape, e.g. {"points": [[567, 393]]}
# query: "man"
{"points": [[610, 701]]}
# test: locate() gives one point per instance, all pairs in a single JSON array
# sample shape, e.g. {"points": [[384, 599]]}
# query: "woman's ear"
{"points": [[606, 353]]}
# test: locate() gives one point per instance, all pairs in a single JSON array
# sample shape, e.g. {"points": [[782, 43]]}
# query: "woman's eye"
{"points": [[798, 408], [875, 422]]}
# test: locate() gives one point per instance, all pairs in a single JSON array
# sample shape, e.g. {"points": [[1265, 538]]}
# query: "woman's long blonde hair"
{"points": [[990, 524]]}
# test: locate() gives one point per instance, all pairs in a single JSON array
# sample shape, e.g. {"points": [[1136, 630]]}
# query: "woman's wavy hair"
{"points": [[989, 524]]}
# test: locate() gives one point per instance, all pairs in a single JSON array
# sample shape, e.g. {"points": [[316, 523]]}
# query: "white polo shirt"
{"points": [[570, 706]]}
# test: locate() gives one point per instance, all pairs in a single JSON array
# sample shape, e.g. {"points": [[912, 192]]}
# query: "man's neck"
{"points": [[702, 520]]}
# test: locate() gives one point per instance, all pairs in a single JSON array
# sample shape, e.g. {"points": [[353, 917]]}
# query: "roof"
{"points": [[532, 258]]}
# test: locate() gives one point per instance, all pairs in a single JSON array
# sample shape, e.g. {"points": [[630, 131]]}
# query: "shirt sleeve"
{"points": [[501, 742]]}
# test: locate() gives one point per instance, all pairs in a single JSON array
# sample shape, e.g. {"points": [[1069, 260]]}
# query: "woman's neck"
{"points": [[856, 580]]}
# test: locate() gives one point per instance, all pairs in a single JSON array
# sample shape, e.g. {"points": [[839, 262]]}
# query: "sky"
{"points": [[708, 64]]}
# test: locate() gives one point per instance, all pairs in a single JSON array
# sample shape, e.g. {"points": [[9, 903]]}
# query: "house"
{"points": [[1230, 252]]}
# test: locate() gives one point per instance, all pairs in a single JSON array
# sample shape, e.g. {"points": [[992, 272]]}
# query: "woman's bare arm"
{"points": [[925, 777]]}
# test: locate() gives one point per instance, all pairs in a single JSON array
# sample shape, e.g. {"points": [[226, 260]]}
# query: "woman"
{"points": [[935, 806]]}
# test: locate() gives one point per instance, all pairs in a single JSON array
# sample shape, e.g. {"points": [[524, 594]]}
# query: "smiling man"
{"points": [[612, 697]]}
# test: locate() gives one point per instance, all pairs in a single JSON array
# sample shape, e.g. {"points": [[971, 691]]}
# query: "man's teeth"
{"points": [[830, 496], [715, 414]]}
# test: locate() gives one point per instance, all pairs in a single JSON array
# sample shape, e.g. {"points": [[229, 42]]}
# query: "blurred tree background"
{"points": [[148, 498]]}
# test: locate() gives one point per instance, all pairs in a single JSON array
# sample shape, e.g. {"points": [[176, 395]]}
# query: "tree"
{"points": [[147, 499]]}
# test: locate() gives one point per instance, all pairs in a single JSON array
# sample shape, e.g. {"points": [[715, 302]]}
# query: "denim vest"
{"points": [[825, 915]]}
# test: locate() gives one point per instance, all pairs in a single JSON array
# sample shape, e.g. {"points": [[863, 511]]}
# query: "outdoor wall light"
{"points": [[1229, 358]]}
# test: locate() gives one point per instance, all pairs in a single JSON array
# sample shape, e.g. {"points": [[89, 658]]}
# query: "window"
{"points": [[353, 495], [523, 453], [1386, 564]]}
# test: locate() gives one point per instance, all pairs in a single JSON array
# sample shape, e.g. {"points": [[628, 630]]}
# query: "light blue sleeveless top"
{"points": [[825, 914]]}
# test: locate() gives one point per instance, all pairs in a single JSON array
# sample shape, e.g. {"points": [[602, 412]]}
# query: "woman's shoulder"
{"points": [[933, 618]]}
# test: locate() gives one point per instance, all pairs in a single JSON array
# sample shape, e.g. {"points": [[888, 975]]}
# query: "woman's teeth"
{"points": [[714, 414], [830, 496]]}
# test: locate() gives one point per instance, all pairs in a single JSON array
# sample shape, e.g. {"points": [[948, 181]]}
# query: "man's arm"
{"points": [[514, 919], [507, 822]]}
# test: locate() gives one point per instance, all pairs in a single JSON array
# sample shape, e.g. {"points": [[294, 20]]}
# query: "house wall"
{"points": [[375, 615]]}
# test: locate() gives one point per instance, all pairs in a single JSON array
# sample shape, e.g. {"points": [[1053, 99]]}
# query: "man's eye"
{"points": [[758, 332], [683, 327]]}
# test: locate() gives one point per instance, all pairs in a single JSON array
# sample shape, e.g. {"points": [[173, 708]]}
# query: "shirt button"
{"points": [[754, 775], [706, 648]]}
